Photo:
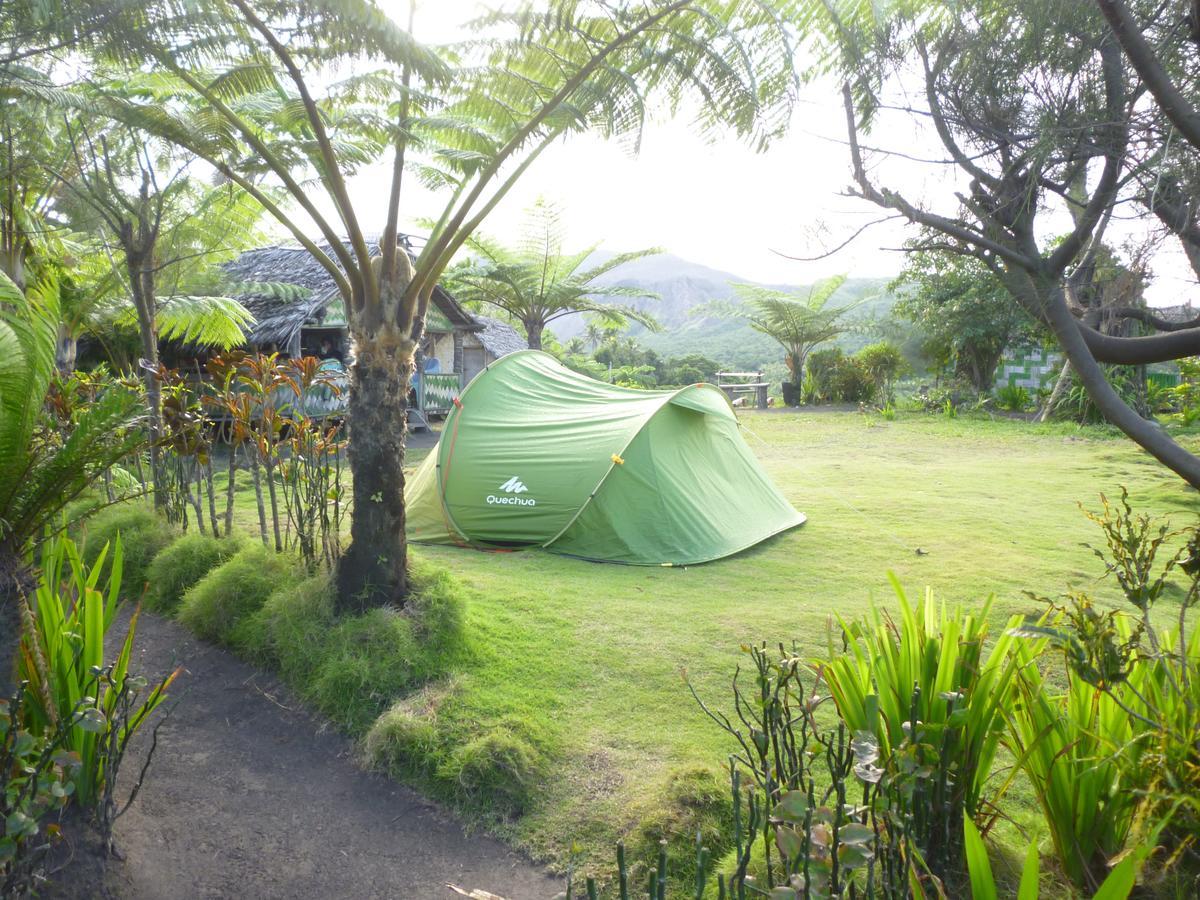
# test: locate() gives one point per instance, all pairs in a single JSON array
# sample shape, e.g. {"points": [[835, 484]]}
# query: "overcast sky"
{"points": [[718, 204]]}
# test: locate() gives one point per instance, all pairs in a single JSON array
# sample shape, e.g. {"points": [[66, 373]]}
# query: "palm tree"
{"points": [[470, 120], [40, 476], [537, 283], [798, 323]]}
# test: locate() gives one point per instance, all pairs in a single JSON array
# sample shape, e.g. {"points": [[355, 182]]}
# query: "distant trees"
{"points": [[536, 282], [965, 313]]}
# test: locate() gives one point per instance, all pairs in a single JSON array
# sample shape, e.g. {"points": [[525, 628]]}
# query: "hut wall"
{"points": [[443, 349], [474, 357]]}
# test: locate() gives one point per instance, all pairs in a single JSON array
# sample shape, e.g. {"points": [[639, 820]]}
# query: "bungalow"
{"points": [[299, 311]]}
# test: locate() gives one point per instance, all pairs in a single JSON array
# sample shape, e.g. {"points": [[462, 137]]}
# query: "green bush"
{"points": [[820, 372], [884, 363], [498, 768], [406, 741], [1013, 397], [182, 564], [291, 630], [221, 606], [143, 535]]}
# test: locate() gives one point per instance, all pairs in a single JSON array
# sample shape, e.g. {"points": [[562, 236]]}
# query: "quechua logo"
{"points": [[514, 487]]}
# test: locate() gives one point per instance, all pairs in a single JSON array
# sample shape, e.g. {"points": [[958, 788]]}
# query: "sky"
{"points": [[719, 203]]}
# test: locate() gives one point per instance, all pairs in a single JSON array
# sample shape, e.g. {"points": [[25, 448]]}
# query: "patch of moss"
{"points": [[220, 607], [143, 535], [181, 564], [696, 800]]}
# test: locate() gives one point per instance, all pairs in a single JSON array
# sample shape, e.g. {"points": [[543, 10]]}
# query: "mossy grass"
{"points": [[181, 564], [220, 606], [143, 535], [353, 668]]}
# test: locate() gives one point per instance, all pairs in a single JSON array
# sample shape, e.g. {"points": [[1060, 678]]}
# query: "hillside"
{"points": [[686, 288]]}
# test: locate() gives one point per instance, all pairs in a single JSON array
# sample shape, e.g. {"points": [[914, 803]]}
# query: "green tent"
{"points": [[534, 454]]}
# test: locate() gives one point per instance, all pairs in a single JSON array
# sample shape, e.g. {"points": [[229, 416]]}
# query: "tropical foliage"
{"points": [[799, 324], [536, 283]]}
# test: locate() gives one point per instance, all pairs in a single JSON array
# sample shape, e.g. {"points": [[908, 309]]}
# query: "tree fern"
{"points": [[39, 477]]}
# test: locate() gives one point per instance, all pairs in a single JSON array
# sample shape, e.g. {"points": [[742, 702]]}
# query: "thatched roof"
{"points": [[499, 338], [281, 312]]}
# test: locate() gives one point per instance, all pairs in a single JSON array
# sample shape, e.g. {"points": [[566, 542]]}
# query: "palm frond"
{"points": [[204, 321]]}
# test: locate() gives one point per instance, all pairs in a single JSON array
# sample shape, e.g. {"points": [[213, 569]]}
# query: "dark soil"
{"points": [[250, 795]]}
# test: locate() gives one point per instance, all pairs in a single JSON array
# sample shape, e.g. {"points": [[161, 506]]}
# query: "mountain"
{"points": [[687, 289]]}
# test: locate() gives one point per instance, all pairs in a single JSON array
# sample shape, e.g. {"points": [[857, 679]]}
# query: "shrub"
{"points": [[852, 382], [143, 535], [78, 700], [292, 628], [34, 784], [182, 564], [1077, 406], [820, 372], [498, 768], [928, 667], [884, 363], [1013, 397], [947, 396], [368, 662], [406, 740], [220, 606], [1070, 746], [1127, 731]]}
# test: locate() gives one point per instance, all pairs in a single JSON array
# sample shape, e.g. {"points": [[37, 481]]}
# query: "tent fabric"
{"points": [[534, 454]]}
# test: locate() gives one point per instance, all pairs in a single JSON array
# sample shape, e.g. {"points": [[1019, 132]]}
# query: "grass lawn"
{"points": [[593, 653]]}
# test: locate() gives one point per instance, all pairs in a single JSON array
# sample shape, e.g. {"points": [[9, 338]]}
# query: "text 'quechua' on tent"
{"points": [[534, 454]]}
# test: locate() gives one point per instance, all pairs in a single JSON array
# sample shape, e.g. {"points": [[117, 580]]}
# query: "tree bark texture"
{"points": [[373, 570], [15, 578]]}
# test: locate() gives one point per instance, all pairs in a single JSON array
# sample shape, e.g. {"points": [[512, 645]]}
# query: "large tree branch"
{"points": [[334, 181], [939, 122], [891, 200], [1138, 351], [1114, 151], [1144, 60], [1148, 317], [1077, 346]]}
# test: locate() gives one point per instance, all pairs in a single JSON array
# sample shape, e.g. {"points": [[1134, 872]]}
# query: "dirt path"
{"points": [[249, 795]]}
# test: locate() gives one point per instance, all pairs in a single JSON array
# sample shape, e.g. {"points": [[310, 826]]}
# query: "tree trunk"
{"points": [[212, 496], [141, 282], [1060, 388], [65, 350], [258, 495], [533, 333], [229, 489], [15, 579], [373, 570]]}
